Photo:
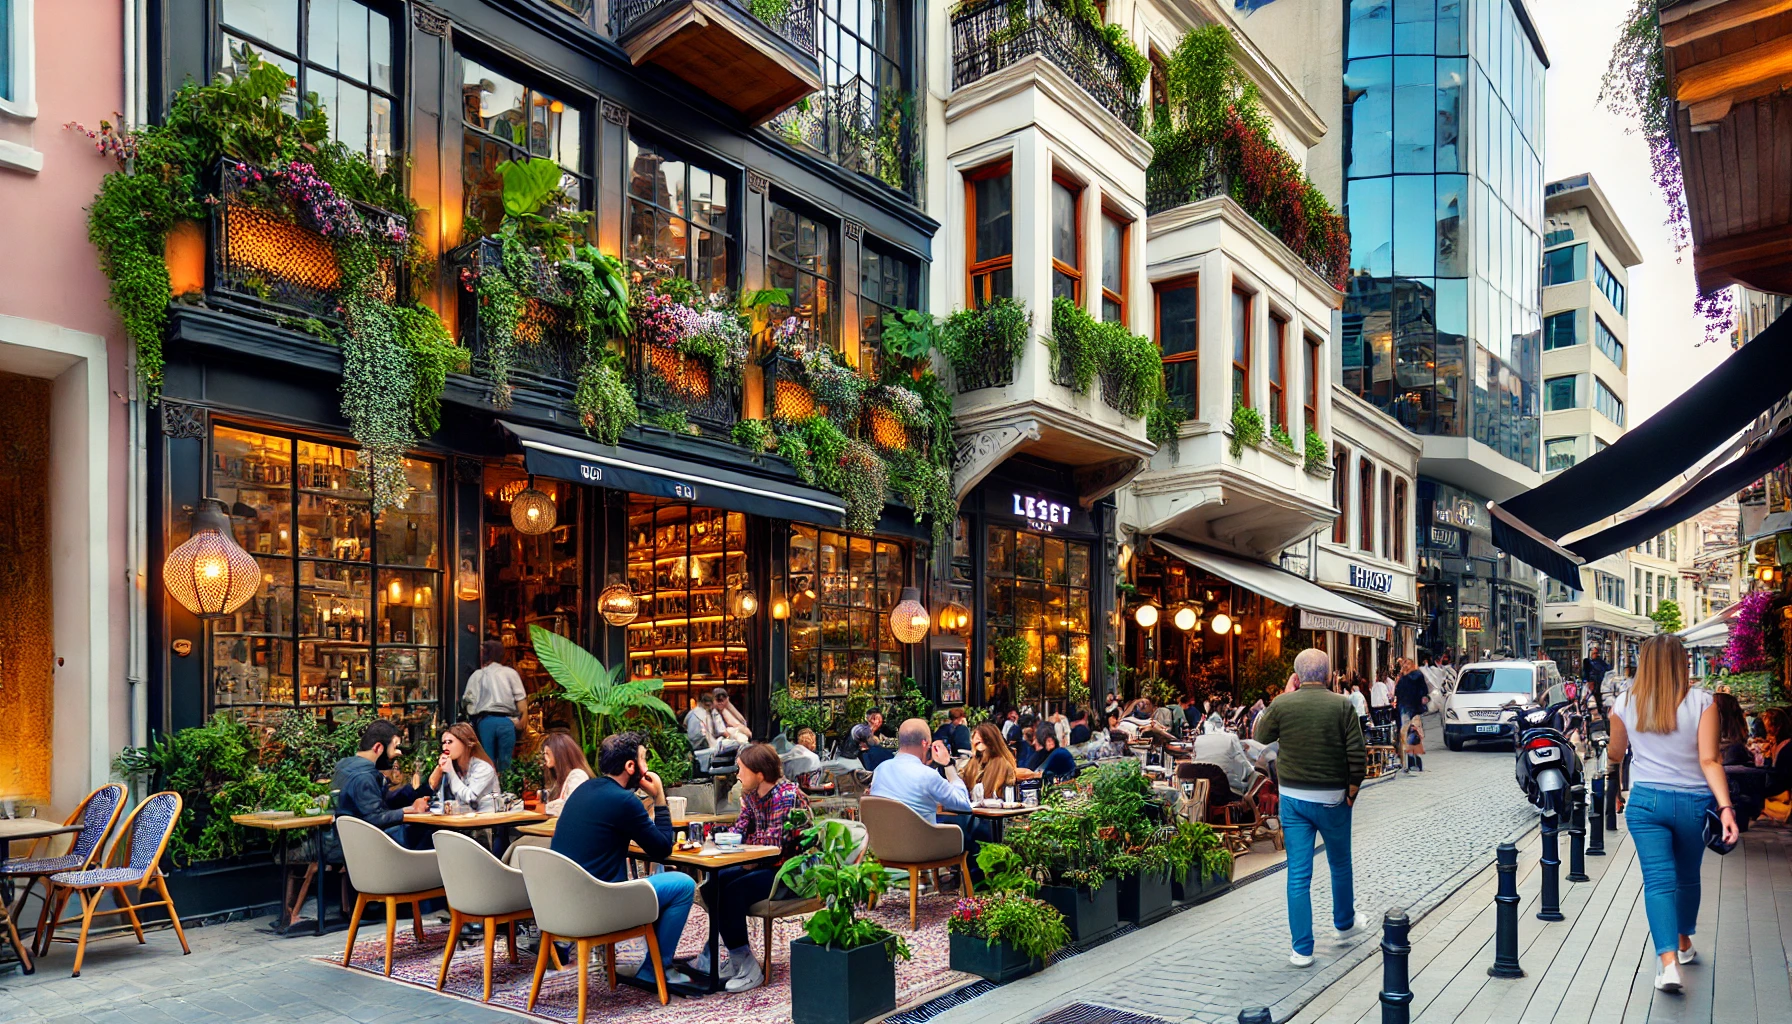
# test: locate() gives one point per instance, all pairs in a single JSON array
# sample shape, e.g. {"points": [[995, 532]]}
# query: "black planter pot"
{"points": [[1192, 888], [993, 961], [1144, 897], [247, 885], [1090, 915], [840, 986]]}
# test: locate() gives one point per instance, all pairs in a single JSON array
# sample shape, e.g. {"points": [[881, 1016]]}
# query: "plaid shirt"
{"points": [[761, 821]]}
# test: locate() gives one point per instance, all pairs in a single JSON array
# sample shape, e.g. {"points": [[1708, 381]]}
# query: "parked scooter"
{"points": [[1547, 764]]}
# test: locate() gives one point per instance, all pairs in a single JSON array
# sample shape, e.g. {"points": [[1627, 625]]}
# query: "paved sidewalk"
{"points": [[1417, 840]]}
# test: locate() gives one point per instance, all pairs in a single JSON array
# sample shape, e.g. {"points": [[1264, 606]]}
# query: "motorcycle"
{"points": [[1547, 764]]}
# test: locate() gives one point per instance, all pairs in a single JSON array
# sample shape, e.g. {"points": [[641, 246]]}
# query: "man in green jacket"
{"points": [[1319, 767]]}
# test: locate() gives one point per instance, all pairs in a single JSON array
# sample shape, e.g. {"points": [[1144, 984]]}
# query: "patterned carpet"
{"points": [[917, 979]]}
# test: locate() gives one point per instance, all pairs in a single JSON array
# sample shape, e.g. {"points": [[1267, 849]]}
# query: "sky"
{"points": [[1666, 354]]}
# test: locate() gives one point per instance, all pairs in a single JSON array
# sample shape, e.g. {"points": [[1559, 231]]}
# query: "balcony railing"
{"points": [[795, 23], [549, 345], [1179, 178], [669, 381], [862, 128], [990, 35]]}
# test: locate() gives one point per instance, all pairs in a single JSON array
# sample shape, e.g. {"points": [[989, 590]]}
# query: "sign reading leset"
{"points": [[1041, 514], [1369, 579]]}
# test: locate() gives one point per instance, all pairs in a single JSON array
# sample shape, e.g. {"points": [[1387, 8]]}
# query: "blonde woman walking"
{"points": [[1677, 775]]}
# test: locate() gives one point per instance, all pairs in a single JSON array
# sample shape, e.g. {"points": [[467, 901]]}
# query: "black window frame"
{"points": [[873, 308], [536, 84], [828, 331], [730, 225]]}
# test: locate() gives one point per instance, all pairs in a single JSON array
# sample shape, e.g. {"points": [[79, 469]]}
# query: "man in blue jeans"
{"points": [[604, 815], [1319, 770]]}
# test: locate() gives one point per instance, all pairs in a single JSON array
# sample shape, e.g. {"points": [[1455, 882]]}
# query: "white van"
{"points": [[1475, 708]]}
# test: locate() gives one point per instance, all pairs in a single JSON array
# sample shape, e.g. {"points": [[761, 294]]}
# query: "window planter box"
{"points": [[671, 381], [840, 986], [1090, 915], [1144, 898], [992, 961], [882, 427], [787, 398], [548, 349]]}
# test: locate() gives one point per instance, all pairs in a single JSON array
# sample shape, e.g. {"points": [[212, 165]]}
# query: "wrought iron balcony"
{"points": [[989, 35], [862, 128], [549, 345], [671, 382], [1177, 178], [756, 56]]}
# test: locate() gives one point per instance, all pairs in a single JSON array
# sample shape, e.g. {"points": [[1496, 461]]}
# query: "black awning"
{"points": [[566, 457], [1665, 445]]}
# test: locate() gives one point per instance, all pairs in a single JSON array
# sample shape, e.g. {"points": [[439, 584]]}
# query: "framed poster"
{"points": [[951, 677]]}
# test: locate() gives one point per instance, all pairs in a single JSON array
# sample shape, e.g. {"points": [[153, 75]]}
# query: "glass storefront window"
{"points": [[505, 120], [842, 587], [688, 566], [532, 579], [347, 615], [1037, 589], [679, 217]]}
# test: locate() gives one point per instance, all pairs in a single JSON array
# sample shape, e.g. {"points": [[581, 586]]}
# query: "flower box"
{"points": [[1144, 897], [1089, 915], [671, 381], [549, 346], [840, 986], [1194, 888], [995, 961]]}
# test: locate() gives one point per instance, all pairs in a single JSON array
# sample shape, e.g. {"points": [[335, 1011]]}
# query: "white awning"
{"points": [[1319, 608], [1713, 632]]}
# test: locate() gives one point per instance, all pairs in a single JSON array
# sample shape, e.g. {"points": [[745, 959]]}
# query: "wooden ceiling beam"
{"points": [[1767, 62], [1746, 258], [1691, 22]]}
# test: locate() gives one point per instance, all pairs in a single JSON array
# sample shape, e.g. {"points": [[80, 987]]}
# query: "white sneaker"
{"points": [[699, 966], [747, 976], [674, 976], [1357, 924], [1300, 959], [1688, 955], [1668, 978]]}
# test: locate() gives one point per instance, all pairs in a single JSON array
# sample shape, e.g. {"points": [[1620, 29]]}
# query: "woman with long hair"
{"points": [[992, 764], [465, 771], [564, 768], [1777, 758], [1732, 731], [1670, 730]]}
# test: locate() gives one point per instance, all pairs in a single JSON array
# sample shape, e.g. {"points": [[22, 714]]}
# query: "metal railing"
{"points": [[993, 34], [669, 381], [1179, 178], [549, 347], [864, 128], [795, 23]]}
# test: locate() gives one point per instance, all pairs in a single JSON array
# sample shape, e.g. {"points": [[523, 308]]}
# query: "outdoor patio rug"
{"points": [[917, 979]]}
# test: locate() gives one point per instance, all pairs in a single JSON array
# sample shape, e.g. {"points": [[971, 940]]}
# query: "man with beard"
{"points": [[604, 815], [364, 792]]}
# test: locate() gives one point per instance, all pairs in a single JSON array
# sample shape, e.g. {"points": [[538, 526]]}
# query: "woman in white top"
{"points": [[1676, 773], [566, 770], [464, 772]]}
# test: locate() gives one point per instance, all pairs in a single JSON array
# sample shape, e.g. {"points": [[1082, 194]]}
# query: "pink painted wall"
{"points": [[50, 274]]}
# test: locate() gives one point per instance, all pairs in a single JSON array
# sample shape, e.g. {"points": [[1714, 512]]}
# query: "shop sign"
{"points": [[1042, 514], [1338, 624], [1369, 579], [1460, 512], [1444, 537], [1470, 621]]}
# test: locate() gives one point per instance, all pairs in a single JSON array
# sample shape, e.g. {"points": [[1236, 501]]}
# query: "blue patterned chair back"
{"points": [[154, 820], [96, 820]]}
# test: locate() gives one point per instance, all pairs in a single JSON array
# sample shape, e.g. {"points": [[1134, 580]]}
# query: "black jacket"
{"points": [[1412, 690], [956, 737], [598, 822], [362, 792]]}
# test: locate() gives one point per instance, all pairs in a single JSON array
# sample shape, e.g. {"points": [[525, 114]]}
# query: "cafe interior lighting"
{"points": [[780, 607], [617, 602], [1186, 619], [532, 511], [954, 617], [1222, 622], [746, 604], [1146, 616], [466, 581], [209, 573], [910, 618]]}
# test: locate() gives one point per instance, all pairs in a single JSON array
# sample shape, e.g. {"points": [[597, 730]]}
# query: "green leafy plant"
{"points": [[605, 700], [1163, 423], [753, 435], [1062, 842], [604, 400], [528, 185], [1278, 435], [669, 754], [1132, 370], [976, 342], [1317, 457], [1076, 344], [864, 484], [828, 872], [1010, 654], [676, 421], [1247, 428], [771, 12], [909, 335], [1004, 870], [1033, 927], [1666, 616], [525, 775], [794, 714]]}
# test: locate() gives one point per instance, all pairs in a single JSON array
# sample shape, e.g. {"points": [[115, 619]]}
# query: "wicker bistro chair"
{"points": [[96, 815], [900, 839], [145, 835], [480, 888], [380, 869], [571, 906]]}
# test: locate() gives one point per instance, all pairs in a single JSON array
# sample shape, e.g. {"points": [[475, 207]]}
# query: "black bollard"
{"points": [[1505, 934], [1596, 823], [1577, 836], [1255, 1015], [1396, 986], [1552, 865]]}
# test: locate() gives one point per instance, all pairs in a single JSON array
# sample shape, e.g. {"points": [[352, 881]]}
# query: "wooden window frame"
{"points": [[1387, 513], [1278, 389], [1400, 492], [985, 269], [1365, 500], [1312, 407], [1190, 282], [1108, 295], [1076, 213], [1341, 495], [1250, 313]]}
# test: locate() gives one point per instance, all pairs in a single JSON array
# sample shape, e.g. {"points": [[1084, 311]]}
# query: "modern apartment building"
{"points": [[1443, 118], [1587, 257]]}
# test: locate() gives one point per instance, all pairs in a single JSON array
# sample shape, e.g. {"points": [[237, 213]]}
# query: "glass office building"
{"points": [[1443, 122]]}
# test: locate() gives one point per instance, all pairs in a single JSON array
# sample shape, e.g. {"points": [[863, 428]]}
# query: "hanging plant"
{"points": [[604, 400], [1317, 457], [753, 435], [1163, 424], [835, 385], [865, 484], [1247, 428], [1746, 650], [983, 345]]}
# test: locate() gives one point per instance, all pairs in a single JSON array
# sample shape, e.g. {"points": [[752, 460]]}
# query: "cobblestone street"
{"points": [[1417, 838]]}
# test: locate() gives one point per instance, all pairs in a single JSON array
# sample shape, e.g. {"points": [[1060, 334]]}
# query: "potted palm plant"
{"points": [[1005, 933], [843, 969]]}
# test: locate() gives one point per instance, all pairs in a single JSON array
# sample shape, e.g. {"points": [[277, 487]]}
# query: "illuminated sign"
{"points": [[1041, 514], [1471, 623], [1459, 513], [1369, 579]]}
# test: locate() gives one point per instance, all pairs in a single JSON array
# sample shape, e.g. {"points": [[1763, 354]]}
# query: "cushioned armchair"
{"points": [[900, 839], [571, 906], [380, 869], [480, 888]]}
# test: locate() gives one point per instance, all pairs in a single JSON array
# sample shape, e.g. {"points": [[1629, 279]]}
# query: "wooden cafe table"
{"points": [[20, 829], [281, 824]]}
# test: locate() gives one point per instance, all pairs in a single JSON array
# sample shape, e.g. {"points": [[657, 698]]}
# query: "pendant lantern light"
{"points": [[1186, 619], [1222, 623], [210, 574], [954, 617], [1146, 616], [780, 607], [617, 602], [532, 511], [909, 619]]}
